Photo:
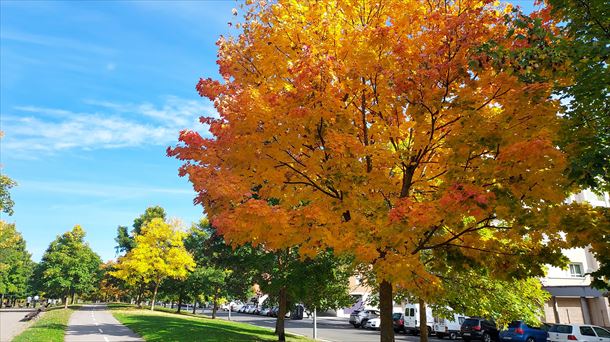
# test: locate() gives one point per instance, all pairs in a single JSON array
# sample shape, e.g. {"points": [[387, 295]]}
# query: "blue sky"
{"points": [[91, 95]]}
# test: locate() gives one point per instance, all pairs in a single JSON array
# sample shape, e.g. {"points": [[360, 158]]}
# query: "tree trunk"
{"points": [[179, 302], [215, 302], [386, 305], [152, 305], [66, 302], [194, 307], [2, 301], [73, 297], [423, 322], [279, 323]]}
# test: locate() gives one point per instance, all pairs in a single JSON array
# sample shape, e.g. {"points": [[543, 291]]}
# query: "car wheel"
{"points": [[429, 331], [466, 339], [530, 339], [363, 323], [486, 337], [356, 325], [452, 336]]}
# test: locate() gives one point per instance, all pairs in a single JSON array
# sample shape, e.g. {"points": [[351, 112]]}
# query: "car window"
{"points": [[396, 316], [514, 324], [587, 331], [601, 332], [471, 322], [461, 320], [561, 328]]}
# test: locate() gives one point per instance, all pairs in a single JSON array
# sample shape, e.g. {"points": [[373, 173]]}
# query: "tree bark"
{"points": [[152, 305], [179, 302], [386, 305], [65, 301], [194, 307], [423, 322], [73, 297], [279, 323], [2, 301], [215, 303]]}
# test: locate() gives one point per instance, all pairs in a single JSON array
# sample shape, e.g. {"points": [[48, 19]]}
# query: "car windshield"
{"points": [[396, 316], [561, 328], [471, 322]]}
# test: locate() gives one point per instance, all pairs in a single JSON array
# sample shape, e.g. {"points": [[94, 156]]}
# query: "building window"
{"points": [[576, 271]]}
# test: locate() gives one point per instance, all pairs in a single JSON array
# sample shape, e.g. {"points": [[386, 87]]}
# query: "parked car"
{"points": [[578, 332], [264, 311], [479, 329], [358, 318], [398, 320], [521, 332], [448, 327], [373, 323]]}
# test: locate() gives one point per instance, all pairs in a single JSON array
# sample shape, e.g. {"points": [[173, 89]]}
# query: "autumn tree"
{"points": [[125, 239], [387, 130], [159, 253], [68, 267], [15, 262]]}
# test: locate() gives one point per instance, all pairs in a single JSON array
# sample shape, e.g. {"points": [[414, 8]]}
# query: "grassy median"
{"points": [[50, 327], [164, 326]]}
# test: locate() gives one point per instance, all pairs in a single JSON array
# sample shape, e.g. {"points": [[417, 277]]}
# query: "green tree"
{"points": [[15, 262], [68, 267], [159, 254], [6, 202], [586, 123]]}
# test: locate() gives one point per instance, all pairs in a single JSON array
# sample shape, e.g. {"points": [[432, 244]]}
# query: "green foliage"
{"points": [[68, 266], [15, 262], [586, 124], [6, 202], [158, 326], [51, 327], [475, 293]]}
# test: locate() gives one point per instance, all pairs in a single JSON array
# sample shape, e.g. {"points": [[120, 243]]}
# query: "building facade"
{"points": [[573, 300]]}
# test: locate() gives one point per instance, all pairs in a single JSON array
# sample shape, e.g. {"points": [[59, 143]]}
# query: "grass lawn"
{"points": [[50, 327], [163, 326]]}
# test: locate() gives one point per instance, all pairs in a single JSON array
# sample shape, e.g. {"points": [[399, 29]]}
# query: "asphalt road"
{"points": [[11, 323], [329, 328], [93, 323]]}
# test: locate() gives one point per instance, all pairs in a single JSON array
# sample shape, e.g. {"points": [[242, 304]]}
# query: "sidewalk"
{"points": [[11, 324], [95, 323]]}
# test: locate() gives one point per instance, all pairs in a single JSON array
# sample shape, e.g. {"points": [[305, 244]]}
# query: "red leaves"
{"points": [[209, 88]]}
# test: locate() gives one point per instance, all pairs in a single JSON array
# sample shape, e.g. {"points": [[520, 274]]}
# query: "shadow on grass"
{"points": [[168, 328]]}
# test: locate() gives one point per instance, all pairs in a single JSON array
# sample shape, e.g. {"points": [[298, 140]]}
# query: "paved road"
{"points": [[329, 328], [93, 323], [11, 324]]}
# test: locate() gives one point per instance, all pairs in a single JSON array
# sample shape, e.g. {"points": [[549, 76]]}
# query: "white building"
{"points": [[573, 299]]}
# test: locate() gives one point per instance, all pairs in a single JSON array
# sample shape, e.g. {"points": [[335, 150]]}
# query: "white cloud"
{"points": [[107, 125], [99, 190], [54, 42]]}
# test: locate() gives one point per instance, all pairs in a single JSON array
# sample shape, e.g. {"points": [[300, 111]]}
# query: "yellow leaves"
{"points": [[159, 253]]}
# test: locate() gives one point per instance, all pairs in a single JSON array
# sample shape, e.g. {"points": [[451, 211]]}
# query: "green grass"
{"points": [[164, 326], [50, 327]]}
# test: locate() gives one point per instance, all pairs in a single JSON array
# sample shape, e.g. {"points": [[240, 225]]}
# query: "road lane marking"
{"points": [[105, 338], [100, 330]]}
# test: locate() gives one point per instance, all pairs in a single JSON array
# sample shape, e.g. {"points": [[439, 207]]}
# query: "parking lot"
{"points": [[329, 328]]}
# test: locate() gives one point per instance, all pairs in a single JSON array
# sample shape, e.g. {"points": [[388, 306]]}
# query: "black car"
{"points": [[479, 329]]}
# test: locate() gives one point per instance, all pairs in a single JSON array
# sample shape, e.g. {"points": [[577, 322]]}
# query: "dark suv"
{"points": [[479, 329], [359, 318]]}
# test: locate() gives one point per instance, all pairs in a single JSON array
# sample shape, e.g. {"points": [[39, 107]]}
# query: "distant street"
{"points": [[329, 328]]}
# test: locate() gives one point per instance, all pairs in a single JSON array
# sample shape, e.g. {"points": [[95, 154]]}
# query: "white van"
{"points": [[412, 319], [448, 327]]}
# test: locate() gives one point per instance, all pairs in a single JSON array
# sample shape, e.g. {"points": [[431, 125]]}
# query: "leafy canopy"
{"points": [[384, 130]]}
